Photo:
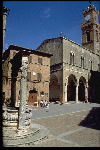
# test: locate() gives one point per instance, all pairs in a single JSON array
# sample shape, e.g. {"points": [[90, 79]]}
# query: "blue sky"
{"points": [[31, 22]]}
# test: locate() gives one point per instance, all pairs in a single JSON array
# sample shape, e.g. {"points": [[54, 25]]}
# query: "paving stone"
{"points": [[65, 130], [31, 138]]}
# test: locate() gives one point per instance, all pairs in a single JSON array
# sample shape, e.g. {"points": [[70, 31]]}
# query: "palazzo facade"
{"points": [[38, 75], [71, 64]]}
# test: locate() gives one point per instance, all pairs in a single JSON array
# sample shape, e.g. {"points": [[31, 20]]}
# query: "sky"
{"points": [[31, 22]]}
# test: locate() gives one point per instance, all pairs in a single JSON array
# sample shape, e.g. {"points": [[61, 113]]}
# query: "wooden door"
{"points": [[32, 98]]}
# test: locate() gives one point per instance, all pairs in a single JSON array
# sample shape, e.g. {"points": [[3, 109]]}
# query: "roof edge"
{"points": [[19, 48]]}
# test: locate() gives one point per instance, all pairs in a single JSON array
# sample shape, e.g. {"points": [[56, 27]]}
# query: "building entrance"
{"points": [[81, 92], [54, 89], [32, 97], [71, 91], [81, 89]]}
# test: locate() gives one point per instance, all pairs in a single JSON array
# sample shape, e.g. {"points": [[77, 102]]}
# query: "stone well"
{"points": [[10, 118]]}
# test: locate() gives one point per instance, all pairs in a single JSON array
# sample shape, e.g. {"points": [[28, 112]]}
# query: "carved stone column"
{"points": [[77, 92], [86, 92], [65, 92], [22, 106]]}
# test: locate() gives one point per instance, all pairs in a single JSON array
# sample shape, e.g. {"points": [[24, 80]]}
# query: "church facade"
{"points": [[71, 64]]}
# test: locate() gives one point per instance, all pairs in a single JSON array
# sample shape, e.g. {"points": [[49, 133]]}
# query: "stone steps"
{"points": [[12, 135], [41, 134]]}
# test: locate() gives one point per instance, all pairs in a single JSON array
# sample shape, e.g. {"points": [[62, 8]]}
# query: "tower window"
{"points": [[88, 35]]}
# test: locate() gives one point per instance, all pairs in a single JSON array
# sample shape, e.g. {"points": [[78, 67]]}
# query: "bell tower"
{"points": [[90, 29]]}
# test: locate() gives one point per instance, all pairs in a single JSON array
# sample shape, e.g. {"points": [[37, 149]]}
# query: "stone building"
{"points": [[71, 63], [38, 74]]}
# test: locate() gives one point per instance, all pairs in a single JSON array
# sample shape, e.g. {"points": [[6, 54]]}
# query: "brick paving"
{"points": [[86, 137], [78, 126], [60, 124], [65, 131]]}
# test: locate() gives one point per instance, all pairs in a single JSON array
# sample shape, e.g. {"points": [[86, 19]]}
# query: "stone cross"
{"points": [[22, 106]]}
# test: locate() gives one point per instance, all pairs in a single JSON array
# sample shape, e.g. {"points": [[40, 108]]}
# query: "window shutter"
{"points": [[29, 76], [30, 59], [39, 76], [40, 60]]}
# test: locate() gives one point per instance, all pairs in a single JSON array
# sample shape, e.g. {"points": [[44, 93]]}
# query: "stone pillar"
{"points": [[65, 92], [22, 106], [87, 89], [77, 92], [86, 93]]}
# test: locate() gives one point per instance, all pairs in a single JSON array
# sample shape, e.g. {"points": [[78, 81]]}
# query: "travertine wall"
{"points": [[60, 66]]}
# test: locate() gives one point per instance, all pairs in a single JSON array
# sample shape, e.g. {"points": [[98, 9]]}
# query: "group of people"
{"points": [[45, 104]]}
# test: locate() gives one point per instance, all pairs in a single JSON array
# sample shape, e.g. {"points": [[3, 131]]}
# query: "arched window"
{"points": [[82, 62], [72, 58]]}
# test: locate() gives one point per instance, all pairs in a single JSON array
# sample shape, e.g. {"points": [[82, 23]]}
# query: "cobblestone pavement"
{"points": [[79, 128]]}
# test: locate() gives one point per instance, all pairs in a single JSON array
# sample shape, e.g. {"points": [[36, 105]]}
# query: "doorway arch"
{"points": [[81, 88], [54, 88], [32, 97], [71, 90]]}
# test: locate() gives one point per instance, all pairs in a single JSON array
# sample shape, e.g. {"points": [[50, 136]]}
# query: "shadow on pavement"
{"points": [[92, 120]]}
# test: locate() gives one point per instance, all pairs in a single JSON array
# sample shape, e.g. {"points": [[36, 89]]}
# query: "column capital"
{"points": [[24, 69], [76, 84]]}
